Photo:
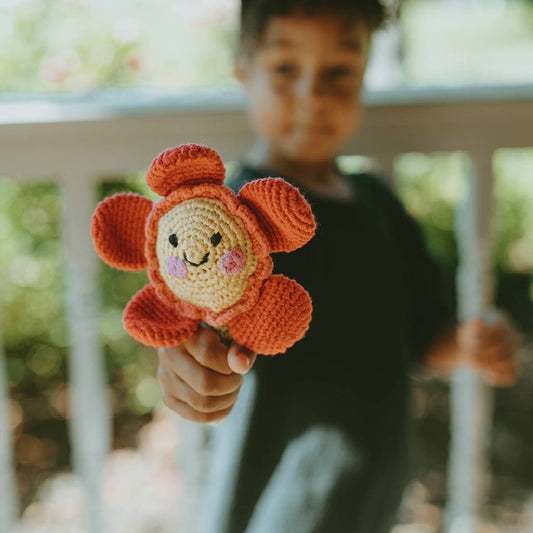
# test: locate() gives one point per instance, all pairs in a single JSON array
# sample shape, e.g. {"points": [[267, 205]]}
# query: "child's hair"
{"points": [[255, 14]]}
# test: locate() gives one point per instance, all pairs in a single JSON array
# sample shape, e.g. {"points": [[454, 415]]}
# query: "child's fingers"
{"points": [[186, 411], [173, 386], [200, 378], [500, 378], [240, 359], [207, 348], [475, 334], [492, 354], [480, 342], [516, 340], [501, 373]]}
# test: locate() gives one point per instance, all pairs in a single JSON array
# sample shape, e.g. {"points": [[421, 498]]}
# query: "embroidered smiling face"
{"points": [[205, 253]]}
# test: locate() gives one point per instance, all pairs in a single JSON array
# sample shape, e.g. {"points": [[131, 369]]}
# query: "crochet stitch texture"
{"points": [[207, 252]]}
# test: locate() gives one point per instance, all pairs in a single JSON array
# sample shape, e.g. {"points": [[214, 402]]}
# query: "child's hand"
{"points": [[201, 377], [492, 348]]}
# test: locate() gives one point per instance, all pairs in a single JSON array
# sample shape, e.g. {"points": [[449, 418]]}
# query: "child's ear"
{"points": [[243, 63], [283, 213], [118, 230]]}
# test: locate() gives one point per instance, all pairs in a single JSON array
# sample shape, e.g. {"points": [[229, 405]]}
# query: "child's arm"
{"points": [[491, 349], [201, 377]]}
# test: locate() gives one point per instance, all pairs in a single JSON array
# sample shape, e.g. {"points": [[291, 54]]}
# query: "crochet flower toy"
{"points": [[207, 252]]}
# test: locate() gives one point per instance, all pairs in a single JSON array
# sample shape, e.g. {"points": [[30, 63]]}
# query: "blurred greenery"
{"points": [[81, 45], [31, 286], [468, 42], [68, 45]]}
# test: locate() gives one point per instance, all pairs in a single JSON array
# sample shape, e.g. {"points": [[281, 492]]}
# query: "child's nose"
{"points": [[310, 90]]}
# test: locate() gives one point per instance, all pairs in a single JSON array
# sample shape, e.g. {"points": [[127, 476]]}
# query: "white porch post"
{"points": [[193, 459], [8, 499], [90, 422], [471, 399]]}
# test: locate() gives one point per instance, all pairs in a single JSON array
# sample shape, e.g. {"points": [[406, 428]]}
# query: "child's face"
{"points": [[303, 81]]}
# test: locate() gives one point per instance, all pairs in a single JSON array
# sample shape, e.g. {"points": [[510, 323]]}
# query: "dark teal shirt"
{"points": [[379, 301]]}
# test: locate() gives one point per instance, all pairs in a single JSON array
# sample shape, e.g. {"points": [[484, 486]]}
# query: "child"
{"points": [[319, 442]]}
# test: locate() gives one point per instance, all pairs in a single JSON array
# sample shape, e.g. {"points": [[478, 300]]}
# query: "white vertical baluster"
{"points": [[8, 499], [193, 465], [471, 399], [90, 423]]}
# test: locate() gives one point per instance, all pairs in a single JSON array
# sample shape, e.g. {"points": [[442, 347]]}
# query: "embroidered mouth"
{"points": [[204, 260]]}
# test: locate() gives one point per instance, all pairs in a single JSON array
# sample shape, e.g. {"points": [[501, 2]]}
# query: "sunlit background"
{"points": [[66, 47], [82, 45]]}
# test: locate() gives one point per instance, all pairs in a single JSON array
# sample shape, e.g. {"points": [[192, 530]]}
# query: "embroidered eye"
{"points": [[216, 238], [173, 239]]}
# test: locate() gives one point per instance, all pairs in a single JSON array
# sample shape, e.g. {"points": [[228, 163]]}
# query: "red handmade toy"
{"points": [[208, 253]]}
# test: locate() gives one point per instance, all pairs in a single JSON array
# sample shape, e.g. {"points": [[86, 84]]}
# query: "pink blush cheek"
{"points": [[176, 267], [232, 262]]}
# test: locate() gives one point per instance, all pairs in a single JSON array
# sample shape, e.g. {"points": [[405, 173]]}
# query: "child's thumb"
{"points": [[240, 359]]}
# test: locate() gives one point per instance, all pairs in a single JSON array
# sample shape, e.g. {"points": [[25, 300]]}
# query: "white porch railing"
{"points": [[77, 141]]}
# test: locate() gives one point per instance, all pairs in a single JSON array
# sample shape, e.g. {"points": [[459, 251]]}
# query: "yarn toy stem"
{"points": [[222, 331]]}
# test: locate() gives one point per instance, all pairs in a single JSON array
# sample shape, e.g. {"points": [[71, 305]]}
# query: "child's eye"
{"points": [[216, 238], [173, 239], [284, 69], [339, 72]]}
